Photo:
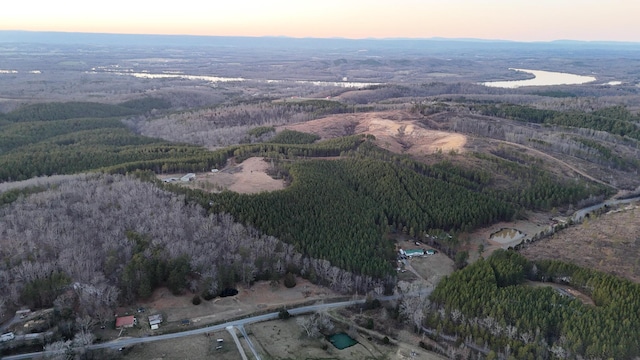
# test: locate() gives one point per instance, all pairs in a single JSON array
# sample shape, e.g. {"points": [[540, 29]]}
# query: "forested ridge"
{"points": [[340, 210], [61, 138], [615, 120], [487, 303], [113, 239], [71, 110]]}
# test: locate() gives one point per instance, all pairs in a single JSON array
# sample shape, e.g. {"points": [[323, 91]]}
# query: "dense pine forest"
{"points": [[490, 304]]}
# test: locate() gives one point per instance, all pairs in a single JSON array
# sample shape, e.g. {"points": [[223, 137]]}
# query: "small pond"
{"points": [[228, 292], [506, 235], [342, 341]]}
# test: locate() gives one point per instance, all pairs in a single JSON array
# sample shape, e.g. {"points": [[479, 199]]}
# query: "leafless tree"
{"points": [[59, 350], [316, 323], [80, 226]]}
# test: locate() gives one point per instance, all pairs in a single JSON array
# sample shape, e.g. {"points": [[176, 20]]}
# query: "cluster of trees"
{"points": [[227, 125], [294, 137], [537, 322], [99, 240], [532, 187], [72, 110], [616, 120], [46, 139], [612, 155]]}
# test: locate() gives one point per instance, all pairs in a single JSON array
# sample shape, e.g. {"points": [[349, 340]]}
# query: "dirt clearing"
{"points": [[397, 131], [189, 347], [248, 177]]}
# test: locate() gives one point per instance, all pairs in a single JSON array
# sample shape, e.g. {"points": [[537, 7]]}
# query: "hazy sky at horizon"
{"points": [[523, 20]]}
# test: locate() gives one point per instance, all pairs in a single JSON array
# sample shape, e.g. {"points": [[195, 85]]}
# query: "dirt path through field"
{"points": [[567, 165]]}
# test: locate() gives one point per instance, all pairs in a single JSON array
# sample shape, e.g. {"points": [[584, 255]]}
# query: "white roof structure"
{"points": [[155, 320]]}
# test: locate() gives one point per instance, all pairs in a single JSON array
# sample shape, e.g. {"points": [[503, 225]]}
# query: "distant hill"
{"points": [[428, 45]]}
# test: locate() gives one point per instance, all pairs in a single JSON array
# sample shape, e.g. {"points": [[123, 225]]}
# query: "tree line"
{"points": [[71, 110]]}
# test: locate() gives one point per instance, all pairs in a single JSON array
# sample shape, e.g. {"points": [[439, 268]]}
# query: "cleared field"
{"points": [[396, 131], [248, 177], [610, 243], [190, 347]]}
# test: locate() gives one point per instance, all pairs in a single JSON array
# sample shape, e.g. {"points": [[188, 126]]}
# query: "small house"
{"points": [[126, 321], [414, 252]]}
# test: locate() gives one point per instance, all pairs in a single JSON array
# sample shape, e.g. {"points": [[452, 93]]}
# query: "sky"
{"points": [[520, 20]]}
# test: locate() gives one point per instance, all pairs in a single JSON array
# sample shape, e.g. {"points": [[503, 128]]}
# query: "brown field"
{"points": [[261, 296], [248, 177], [397, 131], [286, 340], [278, 340], [610, 243], [189, 347]]}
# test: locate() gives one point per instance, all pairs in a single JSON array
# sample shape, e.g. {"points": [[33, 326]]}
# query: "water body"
{"points": [[505, 236], [342, 341], [219, 79], [541, 78]]}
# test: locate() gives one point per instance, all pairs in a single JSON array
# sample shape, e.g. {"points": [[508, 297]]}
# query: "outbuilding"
{"points": [[155, 320]]}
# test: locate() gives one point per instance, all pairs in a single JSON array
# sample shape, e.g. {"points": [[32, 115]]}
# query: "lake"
{"points": [[219, 79], [542, 78]]}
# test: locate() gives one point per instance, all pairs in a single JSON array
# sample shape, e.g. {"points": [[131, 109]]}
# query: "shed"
{"points": [[126, 321], [155, 319]]}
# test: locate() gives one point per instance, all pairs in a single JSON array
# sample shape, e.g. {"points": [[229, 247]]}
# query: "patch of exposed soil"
{"points": [[396, 131], [609, 243], [248, 177]]}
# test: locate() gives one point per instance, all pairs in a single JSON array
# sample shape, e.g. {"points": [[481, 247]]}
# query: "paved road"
{"points": [[116, 344], [246, 337], [232, 331]]}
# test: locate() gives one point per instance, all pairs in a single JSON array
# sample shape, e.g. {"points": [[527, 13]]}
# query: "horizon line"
{"points": [[395, 38]]}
